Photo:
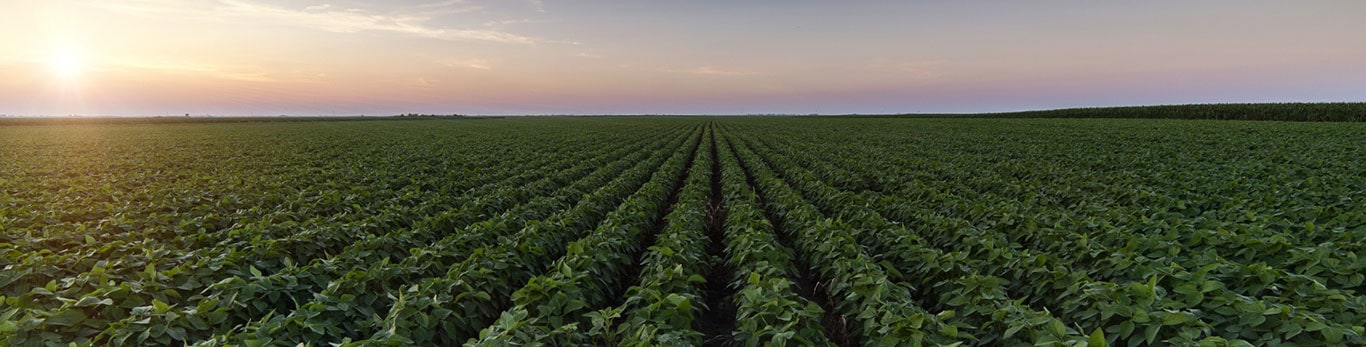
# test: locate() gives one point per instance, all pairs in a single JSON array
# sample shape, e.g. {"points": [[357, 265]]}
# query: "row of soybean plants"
{"points": [[665, 305], [186, 194], [942, 281], [979, 245], [880, 310], [1253, 302], [347, 307], [453, 307], [956, 281], [1244, 191], [73, 296], [1247, 192], [77, 311], [121, 250], [170, 184], [346, 293], [128, 241], [663, 308], [1039, 263], [769, 311], [573, 303], [155, 309]]}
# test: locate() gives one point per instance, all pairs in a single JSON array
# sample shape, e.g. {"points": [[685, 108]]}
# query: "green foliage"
{"points": [[606, 231], [1066, 230]]}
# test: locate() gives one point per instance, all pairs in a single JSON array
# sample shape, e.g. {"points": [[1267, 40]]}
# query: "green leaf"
{"points": [[1012, 330], [1332, 334], [160, 307], [1174, 319], [680, 301], [1152, 333], [1097, 339], [92, 301], [66, 318], [1057, 328], [177, 333], [951, 331], [946, 315]]}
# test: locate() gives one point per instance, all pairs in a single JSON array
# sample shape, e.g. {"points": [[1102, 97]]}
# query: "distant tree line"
{"points": [[417, 115], [1303, 112]]}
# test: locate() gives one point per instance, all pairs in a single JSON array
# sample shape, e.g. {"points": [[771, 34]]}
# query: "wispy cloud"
{"points": [[234, 73], [441, 4], [145, 7], [446, 7], [715, 71], [414, 21], [350, 21], [924, 68], [506, 22], [479, 64]]}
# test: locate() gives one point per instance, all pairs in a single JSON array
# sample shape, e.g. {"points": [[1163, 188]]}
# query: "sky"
{"points": [[332, 57]]}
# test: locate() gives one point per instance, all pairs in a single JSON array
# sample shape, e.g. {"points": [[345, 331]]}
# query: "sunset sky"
{"points": [[318, 57]]}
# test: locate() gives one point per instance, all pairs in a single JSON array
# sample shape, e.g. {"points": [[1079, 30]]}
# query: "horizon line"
{"points": [[752, 114]]}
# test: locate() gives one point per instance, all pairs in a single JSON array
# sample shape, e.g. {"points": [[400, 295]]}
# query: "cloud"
{"points": [[351, 21], [445, 7], [413, 21], [479, 64], [439, 5], [145, 7], [714, 71], [506, 22], [925, 68], [234, 73]]}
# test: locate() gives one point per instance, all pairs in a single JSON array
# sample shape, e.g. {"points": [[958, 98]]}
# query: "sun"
{"points": [[66, 65]]}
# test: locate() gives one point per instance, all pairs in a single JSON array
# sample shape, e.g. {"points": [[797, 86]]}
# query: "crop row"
{"points": [[550, 308], [350, 287], [472, 294], [685, 231], [162, 301], [163, 289], [1209, 305]]}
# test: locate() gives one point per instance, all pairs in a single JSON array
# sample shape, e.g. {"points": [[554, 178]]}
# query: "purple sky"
{"points": [[254, 57]]}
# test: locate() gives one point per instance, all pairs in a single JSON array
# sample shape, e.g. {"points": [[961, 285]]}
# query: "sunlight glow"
{"points": [[66, 65]]}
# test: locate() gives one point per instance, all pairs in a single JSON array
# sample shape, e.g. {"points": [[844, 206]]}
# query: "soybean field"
{"points": [[650, 231]]}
